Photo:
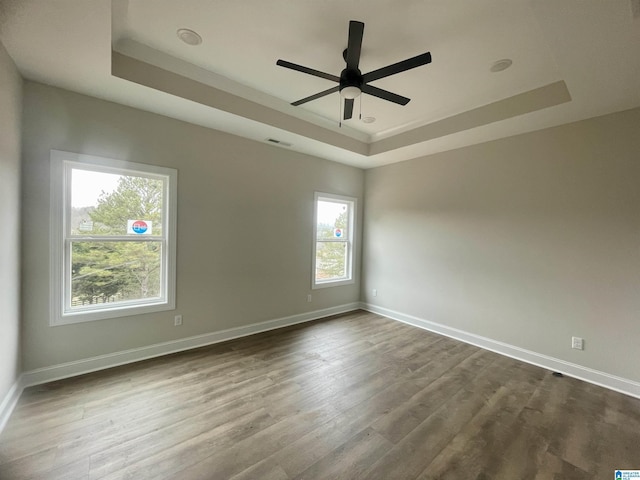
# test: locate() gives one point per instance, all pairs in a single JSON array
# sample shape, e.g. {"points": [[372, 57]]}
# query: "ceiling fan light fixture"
{"points": [[189, 37], [350, 92]]}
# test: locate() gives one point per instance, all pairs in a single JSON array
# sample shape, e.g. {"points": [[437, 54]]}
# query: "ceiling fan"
{"points": [[351, 82]]}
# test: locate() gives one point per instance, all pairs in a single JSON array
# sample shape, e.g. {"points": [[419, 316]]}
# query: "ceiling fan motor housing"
{"points": [[351, 78]]}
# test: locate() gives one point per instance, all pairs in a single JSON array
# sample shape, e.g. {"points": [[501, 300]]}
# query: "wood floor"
{"points": [[356, 396]]}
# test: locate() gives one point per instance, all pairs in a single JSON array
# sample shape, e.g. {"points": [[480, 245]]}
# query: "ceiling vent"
{"points": [[278, 142]]}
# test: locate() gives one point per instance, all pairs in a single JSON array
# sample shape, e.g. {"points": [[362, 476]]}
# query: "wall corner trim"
{"points": [[596, 377], [101, 362], [10, 401]]}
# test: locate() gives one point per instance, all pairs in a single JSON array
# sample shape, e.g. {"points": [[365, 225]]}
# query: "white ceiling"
{"points": [[572, 59]]}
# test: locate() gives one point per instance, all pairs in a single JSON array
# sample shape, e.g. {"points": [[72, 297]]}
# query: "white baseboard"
{"points": [[87, 365], [606, 380], [79, 367], [9, 402]]}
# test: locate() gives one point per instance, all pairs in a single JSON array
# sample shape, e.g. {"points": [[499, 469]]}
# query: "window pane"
{"points": [[110, 204], [332, 218], [331, 261], [113, 272]]}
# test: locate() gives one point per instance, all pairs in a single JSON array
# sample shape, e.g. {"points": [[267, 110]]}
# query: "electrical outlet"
{"points": [[177, 320], [577, 343], [374, 292], [309, 298]]}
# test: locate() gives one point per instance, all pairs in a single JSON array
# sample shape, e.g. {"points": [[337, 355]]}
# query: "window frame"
{"points": [[62, 163], [352, 203]]}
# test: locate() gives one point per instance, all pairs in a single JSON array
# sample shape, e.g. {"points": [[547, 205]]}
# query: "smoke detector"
{"points": [[501, 65], [189, 37]]}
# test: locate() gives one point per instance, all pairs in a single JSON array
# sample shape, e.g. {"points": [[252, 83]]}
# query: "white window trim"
{"points": [[60, 190], [351, 243]]}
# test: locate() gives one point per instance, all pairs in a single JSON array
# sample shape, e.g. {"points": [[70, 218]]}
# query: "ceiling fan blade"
{"points": [[356, 30], [402, 66], [348, 108], [317, 95], [385, 95], [310, 71]]}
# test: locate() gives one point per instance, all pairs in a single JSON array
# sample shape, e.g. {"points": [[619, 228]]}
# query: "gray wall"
{"points": [[10, 119], [527, 240], [244, 224]]}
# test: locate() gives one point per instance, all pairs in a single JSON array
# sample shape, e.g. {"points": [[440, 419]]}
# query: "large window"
{"points": [[113, 230], [333, 240]]}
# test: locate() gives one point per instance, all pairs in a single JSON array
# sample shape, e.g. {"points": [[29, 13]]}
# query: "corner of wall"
{"points": [[11, 91]]}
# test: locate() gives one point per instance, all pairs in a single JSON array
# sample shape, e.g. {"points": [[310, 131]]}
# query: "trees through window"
{"points": [[333, 246]]}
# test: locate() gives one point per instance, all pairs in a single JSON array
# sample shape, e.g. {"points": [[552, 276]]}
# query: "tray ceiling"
{"points": [[571, 60]]}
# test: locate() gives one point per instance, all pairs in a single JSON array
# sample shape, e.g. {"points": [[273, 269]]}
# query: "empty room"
{"points": [[338, 239]]}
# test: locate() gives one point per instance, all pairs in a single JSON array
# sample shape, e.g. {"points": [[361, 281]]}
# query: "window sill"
{"points": [[116, 312], [332, 283]]}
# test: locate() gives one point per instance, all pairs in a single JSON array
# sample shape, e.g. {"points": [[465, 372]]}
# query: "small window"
{"points": [[333, 240], [113, 229]]}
